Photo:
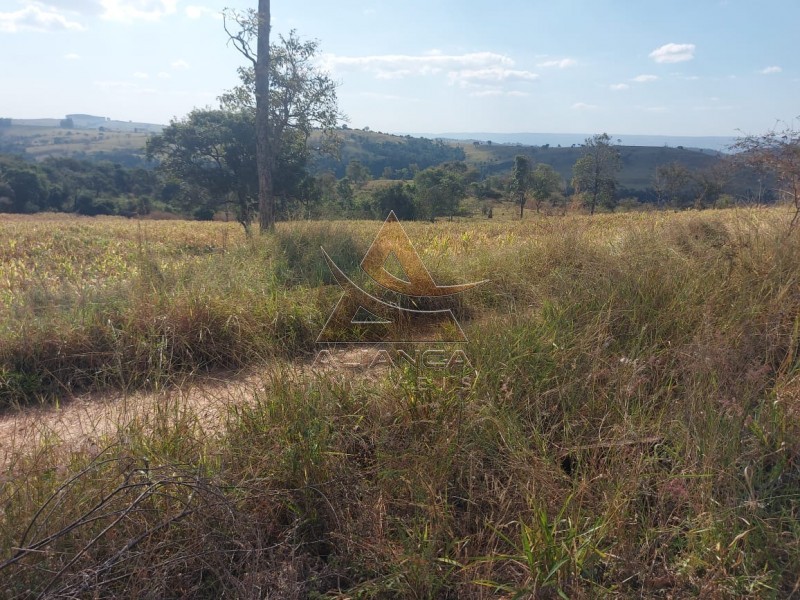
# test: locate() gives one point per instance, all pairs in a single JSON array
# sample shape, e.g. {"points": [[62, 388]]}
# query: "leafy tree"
{"points": [[287, 93], [357, 172], [396, 197], [545, 181], [29, 188], [776, 153], [344, 190], [673, 185], [711, 183], [521, 180], [213, 150], [438, 190], [595, 173]]}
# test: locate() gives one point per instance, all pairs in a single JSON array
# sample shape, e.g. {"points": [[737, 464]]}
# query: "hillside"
{"points": [[384, 155], [714, 143], [103, 143], [638, 162]]}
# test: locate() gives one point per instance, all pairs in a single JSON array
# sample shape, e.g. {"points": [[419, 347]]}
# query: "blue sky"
{"points": [[665, 67]]}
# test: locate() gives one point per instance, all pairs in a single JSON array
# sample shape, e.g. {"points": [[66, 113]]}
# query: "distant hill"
{"points": [[638, 162], [716, 143], [124, 145], [385, 155], [84, 121]]}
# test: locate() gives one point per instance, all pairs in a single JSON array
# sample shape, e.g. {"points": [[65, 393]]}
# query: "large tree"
{"points": [[595, 172], [213, 153], [287, 92], [439, 190]]}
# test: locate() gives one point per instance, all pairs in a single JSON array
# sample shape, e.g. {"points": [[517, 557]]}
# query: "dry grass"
{"points": [[631, 428]]}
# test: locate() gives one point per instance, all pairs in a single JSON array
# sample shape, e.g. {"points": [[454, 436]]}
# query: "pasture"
{"points": [[630, 427]]}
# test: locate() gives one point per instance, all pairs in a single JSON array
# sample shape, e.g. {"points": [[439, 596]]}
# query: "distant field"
{"points": [[42, 142]]}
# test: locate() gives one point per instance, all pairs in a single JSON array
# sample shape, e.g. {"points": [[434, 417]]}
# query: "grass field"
{"points": [[41, 142], [630, 426]]}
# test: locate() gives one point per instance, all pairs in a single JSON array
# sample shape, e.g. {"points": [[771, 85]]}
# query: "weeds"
{"points": [[631, 429]]}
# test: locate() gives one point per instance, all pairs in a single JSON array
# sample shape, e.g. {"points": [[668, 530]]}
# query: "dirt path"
{"points": [[88, 418]]}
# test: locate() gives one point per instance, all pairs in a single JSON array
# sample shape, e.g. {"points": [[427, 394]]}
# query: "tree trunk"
{"points": [[266, 201]]}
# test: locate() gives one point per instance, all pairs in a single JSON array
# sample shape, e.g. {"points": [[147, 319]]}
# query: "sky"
{"points": [[654, 67]]}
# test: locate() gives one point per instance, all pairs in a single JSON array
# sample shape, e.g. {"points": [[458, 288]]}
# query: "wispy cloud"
{"points": [[489, 75], [388, 97], [123, 86], [179, 64], [140, 75], [618, 87], [198, 12], [393, 66], [560, 64], [714, 107], [35, 16], [72, 56], [483, 73], [137, 10], [673, 53], [771, 70], [163, 75], [644, 78], [583, 106], [496, 93]]}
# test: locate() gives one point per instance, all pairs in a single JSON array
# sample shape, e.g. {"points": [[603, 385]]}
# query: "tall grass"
{"points": [[632, 429]]}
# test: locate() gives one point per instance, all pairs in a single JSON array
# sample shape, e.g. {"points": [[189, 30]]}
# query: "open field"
{"points": [[41, 142], [629, 425]]}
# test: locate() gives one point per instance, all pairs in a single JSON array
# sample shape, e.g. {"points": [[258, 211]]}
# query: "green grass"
{"points": [[630, 429]]}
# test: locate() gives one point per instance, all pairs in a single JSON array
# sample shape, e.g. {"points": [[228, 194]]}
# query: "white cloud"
{"points": [[197, 12], [72, 56], [163, 75], [771, 70], [35, 16], [179, 64], [720, 107], [644, 78], [115, 85], [140, 75], [394, 66], [617, 87], [673, 53], [392, 97], [489, 75], [495, 93], [123, 86], [583, 106], [133, 10], [561, 64]]}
